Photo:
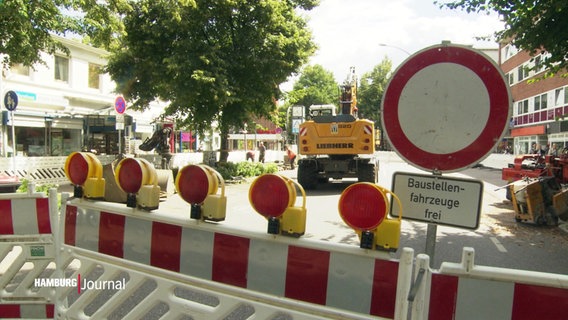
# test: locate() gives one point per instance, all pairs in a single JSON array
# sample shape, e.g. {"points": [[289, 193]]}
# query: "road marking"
{"points": [[498, 244]]}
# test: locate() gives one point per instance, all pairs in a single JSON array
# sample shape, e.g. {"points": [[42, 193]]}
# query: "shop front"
{"points": [[39, 135]]}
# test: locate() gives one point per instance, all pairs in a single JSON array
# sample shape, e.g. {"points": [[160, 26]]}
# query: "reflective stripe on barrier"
{"points": [[349, 280], [465, 291], [27, 253]]}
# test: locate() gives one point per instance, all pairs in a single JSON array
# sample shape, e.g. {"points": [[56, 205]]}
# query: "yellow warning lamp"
{"points": [[138, 178], [363, 206], [85, 172], [274, 196], [198, 185]]}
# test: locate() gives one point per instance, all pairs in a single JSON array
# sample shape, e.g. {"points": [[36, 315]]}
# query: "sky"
{"points": [[349, 32]]}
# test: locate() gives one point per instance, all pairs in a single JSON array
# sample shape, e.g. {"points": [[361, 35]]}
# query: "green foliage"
{"points": [[246, 169], [371, 89], [529, 25], [212, 60], [315, 86], [43, 187], [26, 26]]}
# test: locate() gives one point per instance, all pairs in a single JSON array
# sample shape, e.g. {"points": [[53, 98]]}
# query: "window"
{"points": [[565, 95], [523, 106], [544, 101], [61, 68], [558, 96], [94, 76], [536, 103], [520, 73]]}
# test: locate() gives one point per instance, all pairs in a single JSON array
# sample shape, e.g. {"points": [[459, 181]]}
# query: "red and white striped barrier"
{"points": [[27, 311], [24, 216], [326, 275], [465, 291], [27, 252]]}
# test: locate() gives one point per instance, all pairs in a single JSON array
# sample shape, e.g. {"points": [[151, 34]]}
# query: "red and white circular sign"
{"points": [[446, 107]]}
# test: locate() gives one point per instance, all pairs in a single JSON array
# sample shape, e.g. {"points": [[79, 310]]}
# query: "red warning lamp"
{"points": [[138, 178], [363, 206], [273, 196], [85, 172], [198, 185]]}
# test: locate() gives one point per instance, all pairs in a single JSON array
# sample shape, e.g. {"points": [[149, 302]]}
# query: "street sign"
{"points": [[438, 200], [11, 100], [120, 105], [296, 125], [446, 107]]}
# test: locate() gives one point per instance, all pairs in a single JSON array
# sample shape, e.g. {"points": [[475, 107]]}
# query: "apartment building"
{"points": [[68, 104], [540, 105]]}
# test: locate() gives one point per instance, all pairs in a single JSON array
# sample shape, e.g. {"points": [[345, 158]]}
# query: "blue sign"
{"points": [[11, 100]]}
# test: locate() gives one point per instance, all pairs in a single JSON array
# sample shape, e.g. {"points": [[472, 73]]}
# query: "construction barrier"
{"points": [[466, 291], [27, 253], [102, 260], [213, 271]]}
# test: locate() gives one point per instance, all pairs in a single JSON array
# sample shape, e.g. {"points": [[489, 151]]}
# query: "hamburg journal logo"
{"points": [[80, 284]]}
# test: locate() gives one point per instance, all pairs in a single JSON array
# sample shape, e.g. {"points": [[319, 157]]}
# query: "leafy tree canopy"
{"points": [[212, 60], [26, 26], [314, 86], [529, 25], [371, 89]]}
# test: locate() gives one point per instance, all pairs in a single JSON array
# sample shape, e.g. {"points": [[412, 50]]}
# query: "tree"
{"points": [[26, 26], [371, 89], [533, 26], [212, 60], [314, 86]]}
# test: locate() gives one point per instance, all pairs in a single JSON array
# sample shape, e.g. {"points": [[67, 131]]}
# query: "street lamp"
{"points": [[399, 48]]}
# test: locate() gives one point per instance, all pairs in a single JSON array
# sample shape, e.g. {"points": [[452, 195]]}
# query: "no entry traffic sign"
{"points": [[446, 107]]}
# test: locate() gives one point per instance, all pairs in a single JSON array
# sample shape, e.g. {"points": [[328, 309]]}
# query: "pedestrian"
{"points": [[261, 152], [291, 156], [250, 156], [553, 150]]}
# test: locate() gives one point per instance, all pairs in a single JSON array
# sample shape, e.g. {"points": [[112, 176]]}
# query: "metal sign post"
{"points": [[11, 102]]}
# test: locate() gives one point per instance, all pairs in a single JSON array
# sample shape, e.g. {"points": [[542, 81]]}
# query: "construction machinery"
{"points": [[535, 188], [337, 146]]}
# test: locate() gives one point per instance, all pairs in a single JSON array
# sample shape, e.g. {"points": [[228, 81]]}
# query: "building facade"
{"points": [[540, 105], [67, 104]]}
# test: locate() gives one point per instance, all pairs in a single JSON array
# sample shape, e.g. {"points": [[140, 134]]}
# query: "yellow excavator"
{"points": [[337, 146]]}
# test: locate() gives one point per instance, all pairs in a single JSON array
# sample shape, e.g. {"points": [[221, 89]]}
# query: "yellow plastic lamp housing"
{"points": [[198, 185], [363, 206], [195, 182], [85, 171], [138, 178], [271, 194], [274, 196]]}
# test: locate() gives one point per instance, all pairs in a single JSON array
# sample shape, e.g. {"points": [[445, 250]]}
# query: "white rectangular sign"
{"points": [[438, 200]]}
